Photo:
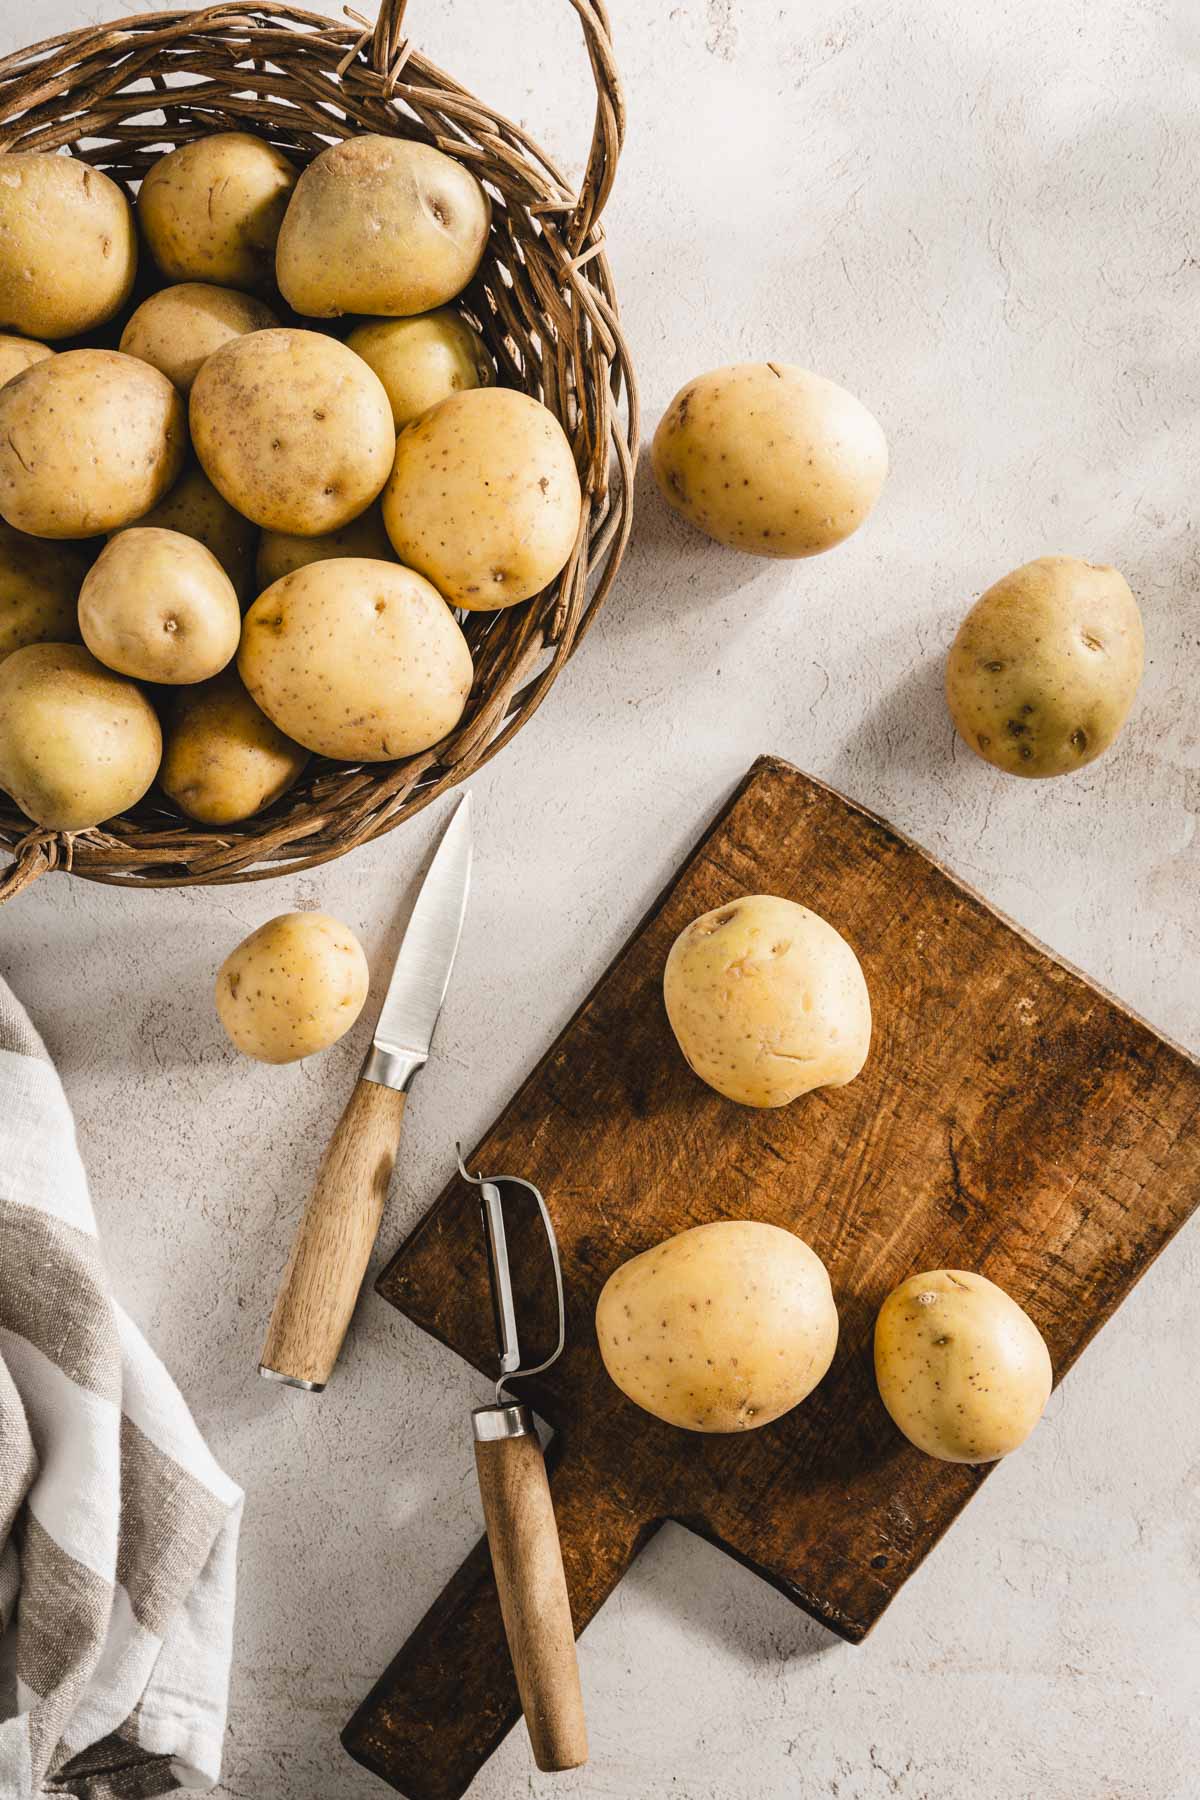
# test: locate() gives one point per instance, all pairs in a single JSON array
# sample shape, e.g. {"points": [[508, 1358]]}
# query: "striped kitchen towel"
{"points": [[118, 1532]]}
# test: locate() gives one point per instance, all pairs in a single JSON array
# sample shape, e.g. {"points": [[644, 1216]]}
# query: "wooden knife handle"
{"points": [[528, 1567], [333, 1244]]}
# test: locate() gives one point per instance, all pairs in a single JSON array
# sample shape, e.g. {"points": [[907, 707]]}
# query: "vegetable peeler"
{"points": [[519, 1513]]}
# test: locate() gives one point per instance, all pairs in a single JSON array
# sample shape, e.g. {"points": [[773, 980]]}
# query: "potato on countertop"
{"points": [[293, 987], [1044, 669], [721, 1328], [211, 210], [68, 247], [963, 1371]]}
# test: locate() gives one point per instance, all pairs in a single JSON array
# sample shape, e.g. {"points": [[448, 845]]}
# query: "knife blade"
{"points": [[333, 1245]]}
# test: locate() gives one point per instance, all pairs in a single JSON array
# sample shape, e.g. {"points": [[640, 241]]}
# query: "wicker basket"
{"points": [[121, 95]]}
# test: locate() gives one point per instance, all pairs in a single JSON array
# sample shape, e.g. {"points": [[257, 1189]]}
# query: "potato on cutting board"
{"points": [[963, 1371], [293, 987], [721, 1328], [767, 1001]]}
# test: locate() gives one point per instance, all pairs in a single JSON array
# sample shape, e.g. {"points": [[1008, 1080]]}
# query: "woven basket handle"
{"points": [[608, 133]]}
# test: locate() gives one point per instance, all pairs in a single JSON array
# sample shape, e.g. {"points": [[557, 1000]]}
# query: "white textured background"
{"points": [[983, 220]]}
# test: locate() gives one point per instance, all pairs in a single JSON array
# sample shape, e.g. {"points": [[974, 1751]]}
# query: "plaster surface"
{"points": [[983, 220]]}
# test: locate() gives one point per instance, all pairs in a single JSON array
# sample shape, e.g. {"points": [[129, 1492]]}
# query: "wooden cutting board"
{"points": [[1011, 1118]]}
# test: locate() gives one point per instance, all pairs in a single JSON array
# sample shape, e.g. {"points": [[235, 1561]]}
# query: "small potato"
{"points": [[224, 760], [484, 498], [293, 987], [18, 354], [158, 606], [68, 247], [78, 744], [770, 458], [767, 1001], [39, 589], [211, 210], [423, 360], [963, 1371], [1045, 666], [293, 429], [356, 659], [279, 553], [194, 507], [721, 1328], [89, 441], [381, 225], [179, 328]]}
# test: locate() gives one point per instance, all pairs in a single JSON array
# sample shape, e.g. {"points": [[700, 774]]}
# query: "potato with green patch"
{"points": [[356, 659], [68, 247], [39, 590], [223, 759], [211, 210], [721, 1328], [293, 429], [179, 328], [770, 458], [484, 498], [767, 1001], [423, 360], [158, 606], [1044, 669], [78, 744], [963, 1371], [292, 988]]}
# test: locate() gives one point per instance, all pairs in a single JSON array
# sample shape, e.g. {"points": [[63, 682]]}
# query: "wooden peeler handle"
{"points": [[333, 1244], [528, 1567]]}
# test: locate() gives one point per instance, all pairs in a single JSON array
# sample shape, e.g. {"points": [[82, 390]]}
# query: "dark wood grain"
{"points": [[1011, 1118]]}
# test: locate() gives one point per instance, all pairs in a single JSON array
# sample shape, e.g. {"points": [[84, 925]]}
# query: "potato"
{"points": [[89, 441], [356, 659], [158, 606], [179, 328], [769, 458], [423, 360], [279, 553], [767, 1001], [211, 210], [293, 987], [484, 498], [380, 225], [78, 744], [18, 354], [293, 429], [224, 760], [721, 1328], [39, 588], [1045, 666], [194, 507], [964, 1373], [68, 247]]}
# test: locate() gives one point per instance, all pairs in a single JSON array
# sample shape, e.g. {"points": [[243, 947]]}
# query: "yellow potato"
{"points": [[224, 760], [423, 360], [293, 987], [194, 507], [89, 441], [356, 659], [721, 1328], [279, 553], [1045, 666], [381, 225], [68, 248], [293, 429], [484, 498], [39, 588], [767, 1001], [158, 606], [179, 328], [78, 744], [963, 1371], [18, 354], [770, 458], [211, 210]]}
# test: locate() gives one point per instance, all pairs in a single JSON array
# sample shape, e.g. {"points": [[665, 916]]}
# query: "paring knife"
{"points": [[333, 1244]]}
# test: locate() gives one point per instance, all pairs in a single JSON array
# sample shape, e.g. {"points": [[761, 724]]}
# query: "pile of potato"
{"points": [[214, 448]]}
